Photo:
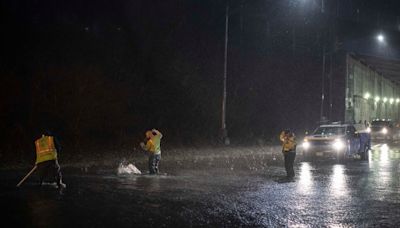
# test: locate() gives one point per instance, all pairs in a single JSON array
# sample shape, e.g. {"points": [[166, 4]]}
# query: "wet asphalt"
{"points": [[225, 192]]}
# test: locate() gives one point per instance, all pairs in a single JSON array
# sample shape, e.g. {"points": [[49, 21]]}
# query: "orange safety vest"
{"points": [[45, 149]]}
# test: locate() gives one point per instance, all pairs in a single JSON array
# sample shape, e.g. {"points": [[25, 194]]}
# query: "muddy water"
{"points": [[223, 192]]}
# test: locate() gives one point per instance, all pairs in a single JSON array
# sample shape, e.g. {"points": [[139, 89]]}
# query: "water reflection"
{"points": [[338, 181], [380, 155], [148, 183], [384, 177], [305, 178], [382, 166], [384, 155]]}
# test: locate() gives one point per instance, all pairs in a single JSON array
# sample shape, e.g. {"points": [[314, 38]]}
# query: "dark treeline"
{"points": [[99, 73]]}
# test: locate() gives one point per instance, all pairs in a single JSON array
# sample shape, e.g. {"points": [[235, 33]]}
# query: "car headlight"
{"points": [[368, 129], [338, 144], [384, 131], [306, 145]]}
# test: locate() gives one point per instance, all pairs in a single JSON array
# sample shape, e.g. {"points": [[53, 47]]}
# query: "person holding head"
{"points": [[288, 140], [47, 149], [153, 146]]}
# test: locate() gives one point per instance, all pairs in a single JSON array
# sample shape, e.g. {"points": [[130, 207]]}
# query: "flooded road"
{"points": [[223, 193]]}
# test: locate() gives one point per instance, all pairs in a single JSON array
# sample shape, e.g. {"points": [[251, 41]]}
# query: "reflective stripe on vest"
{"points": [[45, 149]]}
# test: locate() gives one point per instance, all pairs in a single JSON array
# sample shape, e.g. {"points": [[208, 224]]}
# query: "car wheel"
{"points": [[364, 154]]}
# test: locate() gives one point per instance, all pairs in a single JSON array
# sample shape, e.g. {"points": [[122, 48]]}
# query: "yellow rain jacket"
{"points": [[45, 149], [288, 142], [153, 145]]}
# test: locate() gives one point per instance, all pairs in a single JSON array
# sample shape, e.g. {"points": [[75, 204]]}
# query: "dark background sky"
{"points": [[105, 71]]}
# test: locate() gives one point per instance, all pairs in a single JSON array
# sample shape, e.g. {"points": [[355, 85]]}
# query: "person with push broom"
{"points": [[46, 159]]}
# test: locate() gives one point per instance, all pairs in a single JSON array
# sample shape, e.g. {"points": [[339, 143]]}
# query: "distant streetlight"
{"points": [[381, 38]]}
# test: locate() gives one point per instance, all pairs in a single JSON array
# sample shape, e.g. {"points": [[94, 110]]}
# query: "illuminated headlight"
{"points": [[338, 144], [384, 131], [306, 145], [368, 129]]}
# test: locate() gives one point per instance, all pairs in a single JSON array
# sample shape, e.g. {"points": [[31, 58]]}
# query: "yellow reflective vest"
{"points": [[45, 149], [288, 142], [153, 144]]}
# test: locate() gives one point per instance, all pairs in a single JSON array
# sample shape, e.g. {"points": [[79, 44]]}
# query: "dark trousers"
{"points": [[49, 168], [289, 160], [154, 160]]}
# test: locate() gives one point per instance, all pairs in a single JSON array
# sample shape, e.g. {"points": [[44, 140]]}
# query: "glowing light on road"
{"points": [[338, 181], [391, 100], [305, 178], [377, 99], [384, 100], [367, 96], [384, 155]]}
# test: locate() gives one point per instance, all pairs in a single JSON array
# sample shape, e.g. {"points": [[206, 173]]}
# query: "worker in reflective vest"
{"points": [[153, 146], [289, 151], [47, 147]]}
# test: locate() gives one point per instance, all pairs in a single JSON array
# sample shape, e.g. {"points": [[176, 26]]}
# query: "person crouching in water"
{"points": [[154, 148], [288, 140]]}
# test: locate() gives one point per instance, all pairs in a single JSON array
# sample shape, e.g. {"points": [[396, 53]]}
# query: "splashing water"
{"points": [[128, 169]]}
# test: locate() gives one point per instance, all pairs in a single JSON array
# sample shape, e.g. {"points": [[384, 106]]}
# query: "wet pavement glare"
{"points": [[324, 194]]}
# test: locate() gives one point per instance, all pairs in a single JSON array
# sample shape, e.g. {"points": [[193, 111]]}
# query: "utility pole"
{"points": [[323, 65], [323, 84], [330, 85], [224, 132]]}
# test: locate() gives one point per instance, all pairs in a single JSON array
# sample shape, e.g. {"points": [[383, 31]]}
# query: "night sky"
{"points": [[102, 72]]}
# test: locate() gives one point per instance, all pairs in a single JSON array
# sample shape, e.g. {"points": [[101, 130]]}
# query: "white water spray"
{"points": [[128, 169]]}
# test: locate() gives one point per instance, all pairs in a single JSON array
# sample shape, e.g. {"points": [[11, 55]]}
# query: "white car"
{"points": [[340, 141]]}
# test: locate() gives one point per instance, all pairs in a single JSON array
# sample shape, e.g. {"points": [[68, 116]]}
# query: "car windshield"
{"points": [[380, 123], [330, 131]]}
